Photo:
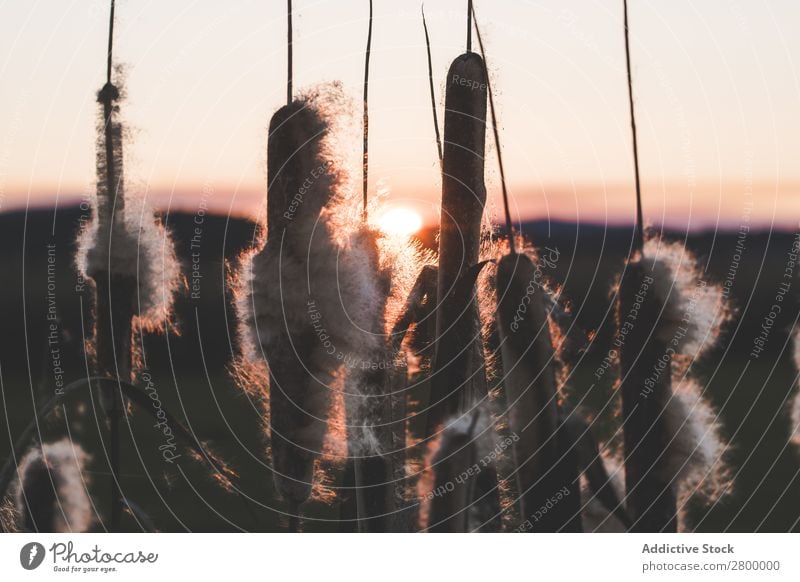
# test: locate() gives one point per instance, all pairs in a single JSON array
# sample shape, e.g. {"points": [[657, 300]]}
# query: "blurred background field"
{"points": [[189, 368]]}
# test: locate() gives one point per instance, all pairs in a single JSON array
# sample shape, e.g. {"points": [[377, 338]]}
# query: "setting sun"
{"points": [[400, 222]]}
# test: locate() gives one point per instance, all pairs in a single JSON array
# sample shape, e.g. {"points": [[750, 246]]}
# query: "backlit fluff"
{"points": [[596, 516], [691, 320], [51, 494], [124, 237], [694, 309], [697, 451], [286, 296]]}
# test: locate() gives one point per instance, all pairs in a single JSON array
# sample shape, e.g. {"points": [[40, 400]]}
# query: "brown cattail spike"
{"points": [[458, 376]]}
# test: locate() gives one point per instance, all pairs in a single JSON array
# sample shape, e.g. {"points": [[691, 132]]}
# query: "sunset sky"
{"points": [[717, 87]]}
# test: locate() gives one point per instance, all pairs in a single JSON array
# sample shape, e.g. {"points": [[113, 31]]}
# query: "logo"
{"points": [[31, 555]]}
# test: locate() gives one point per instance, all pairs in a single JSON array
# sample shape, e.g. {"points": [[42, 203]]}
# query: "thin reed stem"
{"points": [[110, 42], [103, 300], [469, 26], [639, 242], [365, 167], [433, 92], [289, 70], [116, 493], [496, 132]]}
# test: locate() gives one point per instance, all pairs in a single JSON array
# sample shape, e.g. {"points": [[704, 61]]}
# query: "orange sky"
{"points": [[717, 86]]}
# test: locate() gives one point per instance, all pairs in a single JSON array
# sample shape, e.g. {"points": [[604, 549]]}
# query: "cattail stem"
{"points": [[113, 350], [289, 70], [365, 167], [433, 92], [639, 232], [496, 133], [116, 490], [469, 26], [110, 42]]}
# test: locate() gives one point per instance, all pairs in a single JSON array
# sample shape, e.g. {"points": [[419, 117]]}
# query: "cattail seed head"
{"points": [[51, 495]]}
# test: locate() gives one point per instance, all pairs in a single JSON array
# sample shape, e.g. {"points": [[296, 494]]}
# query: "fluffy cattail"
{"points": [[8, 516], [666, 314], [128, 255], [545, 467], [602, 506], [131, 261], [51, 495], [289, 282], [375, 438]]}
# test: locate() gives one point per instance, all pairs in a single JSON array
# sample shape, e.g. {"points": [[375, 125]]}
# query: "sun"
{"points": [[400, 222]]}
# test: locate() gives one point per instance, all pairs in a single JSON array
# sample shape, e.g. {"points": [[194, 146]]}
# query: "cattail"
{"points": [[545, 466], [282, 313], [51, 495], [454, 464], [132, 263], [317, 295], [667, 314], [602, 506], [650, 496], [417, 309], [458, 376], [375, 437], [603, 494], [374, 443]]}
